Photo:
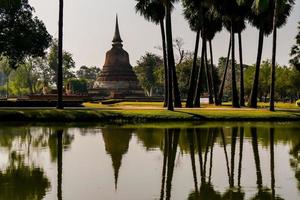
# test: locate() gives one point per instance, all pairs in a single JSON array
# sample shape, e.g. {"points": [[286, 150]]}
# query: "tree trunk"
{"points": [[163, 36], [235, 98], [208, 77], [60, 58], [211, 72], [193, 77], [224, 75], [272, 88], [200, 74], [170, 56], [242, 92], [253, 96], [177, 99]]}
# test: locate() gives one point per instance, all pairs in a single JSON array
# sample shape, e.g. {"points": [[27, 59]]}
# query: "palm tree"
{"points": [[262, 18], [60, 58], [295, 51], [231, 11], [170, 58], [192, 14], [154, 11], [215, 26], [286, 6]]}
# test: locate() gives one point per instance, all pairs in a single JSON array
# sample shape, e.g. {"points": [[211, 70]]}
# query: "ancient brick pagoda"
{"points": [[117, 78]]}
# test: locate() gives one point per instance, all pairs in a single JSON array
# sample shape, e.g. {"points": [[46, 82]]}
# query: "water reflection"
{"points": [[116, 145], [204, 162]]}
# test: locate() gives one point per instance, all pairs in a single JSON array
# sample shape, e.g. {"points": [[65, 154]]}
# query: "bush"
{"points": [[298, 103]]}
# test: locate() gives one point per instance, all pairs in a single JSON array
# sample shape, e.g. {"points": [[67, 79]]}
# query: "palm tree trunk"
{"points": [[177, 100], [272, 89], [163, 36], [170, 56], [60, 58], [253, 96], [199, 79], [224, 75], [193, 77], [235, 98], [211, 72], [208, 77], [242, 91]]}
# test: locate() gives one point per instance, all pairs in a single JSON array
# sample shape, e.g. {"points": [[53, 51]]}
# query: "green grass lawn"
{"points": [[146, 115], [279, 105]]}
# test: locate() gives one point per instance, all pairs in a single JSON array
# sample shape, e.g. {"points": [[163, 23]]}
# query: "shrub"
{"points": [[298, 103]]}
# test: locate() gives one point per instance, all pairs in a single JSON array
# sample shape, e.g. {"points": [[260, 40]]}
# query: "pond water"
{"points": [[137, 162]]}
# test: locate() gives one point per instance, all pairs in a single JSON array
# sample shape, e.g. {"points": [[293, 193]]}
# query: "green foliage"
{"points": [[76, 86], [298, 103], [295, 51], [286, 86], [90, 74], [145, 70], [68, 62], [21, 34]]}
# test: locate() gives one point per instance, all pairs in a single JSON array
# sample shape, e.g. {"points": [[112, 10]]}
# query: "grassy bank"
{"points": [[143, 115]]}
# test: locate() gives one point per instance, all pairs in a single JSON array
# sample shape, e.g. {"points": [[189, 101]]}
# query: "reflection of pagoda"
{"points": [[117, 78], [116, 145]]}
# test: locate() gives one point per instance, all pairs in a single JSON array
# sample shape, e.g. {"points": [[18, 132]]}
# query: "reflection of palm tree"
{"points": [[233, 145], [241, 155], [256, 157], [225, 152], [59, 135], [173, 139], [166, 147], [190, 136], [116, 145]]}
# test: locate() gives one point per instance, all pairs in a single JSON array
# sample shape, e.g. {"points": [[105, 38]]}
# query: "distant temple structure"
{"points": [[117, 78]]}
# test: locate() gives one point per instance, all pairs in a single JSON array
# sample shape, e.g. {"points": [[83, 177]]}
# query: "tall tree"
{"points": [[154, 11], [231, 11], [295, 51], [262, 19], [192, 13], [21, 34], [60, 57]]}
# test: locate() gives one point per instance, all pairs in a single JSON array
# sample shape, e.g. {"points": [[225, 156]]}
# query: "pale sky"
{"points": [[89, 28]]}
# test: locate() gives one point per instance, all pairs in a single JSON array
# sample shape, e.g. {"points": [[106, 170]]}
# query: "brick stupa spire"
{"points": [[117, 78]]}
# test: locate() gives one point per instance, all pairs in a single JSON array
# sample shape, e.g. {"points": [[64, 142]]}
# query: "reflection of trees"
{"points": [[21, 182], [295, 161], [170, 150], [59, 140], [116, 145], [264, 193], [206, 190], [233, 193], [150, 138]]}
